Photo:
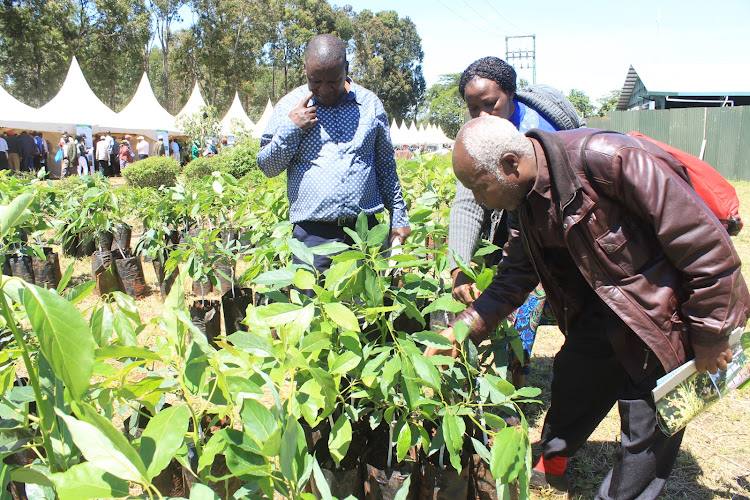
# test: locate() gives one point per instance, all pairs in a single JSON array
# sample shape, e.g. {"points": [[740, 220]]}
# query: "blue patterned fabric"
{"points": [[342, 165], [527, 318]]}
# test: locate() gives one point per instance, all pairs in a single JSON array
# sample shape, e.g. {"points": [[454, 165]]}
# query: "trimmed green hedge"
{"points": [[240, 159], [201, 167], [152, 172]]}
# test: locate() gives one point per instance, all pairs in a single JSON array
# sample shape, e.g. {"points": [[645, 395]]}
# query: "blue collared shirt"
{"points": [[340, 166]]}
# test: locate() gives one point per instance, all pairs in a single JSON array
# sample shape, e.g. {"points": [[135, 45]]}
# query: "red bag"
{"points": [[710, 185]]}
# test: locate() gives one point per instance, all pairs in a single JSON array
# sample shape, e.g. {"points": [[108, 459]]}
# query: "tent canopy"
{"points": [[237, 113], [144, 115], [75, 103], [265, 118]]}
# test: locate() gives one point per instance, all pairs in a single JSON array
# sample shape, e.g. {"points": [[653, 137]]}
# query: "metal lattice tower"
{"points": [[520, 56]]}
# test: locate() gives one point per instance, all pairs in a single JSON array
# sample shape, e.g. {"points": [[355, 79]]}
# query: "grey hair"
{"points": [[487, 138]]}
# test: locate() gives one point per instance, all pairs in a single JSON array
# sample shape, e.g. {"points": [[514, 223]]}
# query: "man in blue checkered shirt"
{"points": [[332, 137]]}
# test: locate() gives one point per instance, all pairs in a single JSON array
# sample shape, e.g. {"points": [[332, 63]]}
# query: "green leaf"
{"points": [[101, 452], [293, 452], [485, 278], [460, 331], [403, 492], [340, 438], [15, 214], [508, 454], [426, 371], [345, 362], [342, 316], [403, 442], [261, 425], [28, 475], [481, 450], [202, 492], [124, 329], [101, 323], [321, 483], [162, 437], [432, 339], [64, 337], [65, 279], [304, 279], [454, 429], [252, 343], [80, 292], [527, 392], [301, 251], [444, 303], [88, 481], [316, 341], [114, 351]]}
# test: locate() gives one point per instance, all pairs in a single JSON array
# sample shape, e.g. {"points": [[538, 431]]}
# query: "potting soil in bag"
{"points": [[205, 314], [132, 279], [21, 267], [47, 271], [234, 303]]}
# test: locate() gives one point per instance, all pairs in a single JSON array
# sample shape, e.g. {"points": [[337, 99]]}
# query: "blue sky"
{"points": [[586, 45]]}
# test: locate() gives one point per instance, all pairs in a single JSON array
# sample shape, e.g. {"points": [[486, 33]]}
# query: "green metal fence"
{"points": [[726, 132]]}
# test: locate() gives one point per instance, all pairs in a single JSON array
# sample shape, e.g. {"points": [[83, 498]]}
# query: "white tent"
{"points": [[441, 138], [74, 104], [194, 104], [144, 115], [395, 134], [236, 112], [16, 114], [263, 121]]}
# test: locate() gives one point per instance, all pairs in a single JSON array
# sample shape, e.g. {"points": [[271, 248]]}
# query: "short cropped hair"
{"points": [[487, 138], [327, 50], [491, 68]]}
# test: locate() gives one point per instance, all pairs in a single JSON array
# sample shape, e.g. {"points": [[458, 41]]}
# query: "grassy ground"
{"points": [[714, 461]]}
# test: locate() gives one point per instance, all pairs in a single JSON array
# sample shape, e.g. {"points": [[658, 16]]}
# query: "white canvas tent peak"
{"points": [[236, 112], [75, 103], [144, 115], [194, 104], [263, 121], [16, 114]]}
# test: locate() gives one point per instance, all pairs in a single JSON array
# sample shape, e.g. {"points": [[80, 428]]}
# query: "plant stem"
{"points": [[10, 320]]}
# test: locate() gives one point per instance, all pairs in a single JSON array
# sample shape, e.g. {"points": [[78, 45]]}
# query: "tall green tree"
{"points": [[443, 104], [608, 103], [581, 102], [33, 67], [388, 60], [294, 24], [118, 31], [164, 13], [229, 39]]}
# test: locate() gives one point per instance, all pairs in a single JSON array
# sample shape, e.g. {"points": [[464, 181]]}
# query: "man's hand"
{"points": [[713, 363], [448, 334], [302, 115], [399, 232], [464, 289]]}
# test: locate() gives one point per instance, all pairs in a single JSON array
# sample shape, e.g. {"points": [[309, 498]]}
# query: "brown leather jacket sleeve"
{"points": [[514, 280]]}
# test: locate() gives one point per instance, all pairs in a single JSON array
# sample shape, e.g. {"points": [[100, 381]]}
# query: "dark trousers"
{"points": [[314, 234], [114, 164], [4, 161], [588, 380], [103, 166], [27, 163]]}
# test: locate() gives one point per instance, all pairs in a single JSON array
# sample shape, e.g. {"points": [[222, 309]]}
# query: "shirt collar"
{"points": [[542, 186], [351, 96]]}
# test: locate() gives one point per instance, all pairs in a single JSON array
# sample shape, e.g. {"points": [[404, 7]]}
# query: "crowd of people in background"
{"points": [[24, 152], [108, 155]]}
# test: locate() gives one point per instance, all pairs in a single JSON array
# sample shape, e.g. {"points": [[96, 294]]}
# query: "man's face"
{"points": [[484, 97], [495, 192], [326, 82]]}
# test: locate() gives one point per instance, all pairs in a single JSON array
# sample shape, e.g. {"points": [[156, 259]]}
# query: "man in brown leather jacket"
{"points": [[638, 271]]}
